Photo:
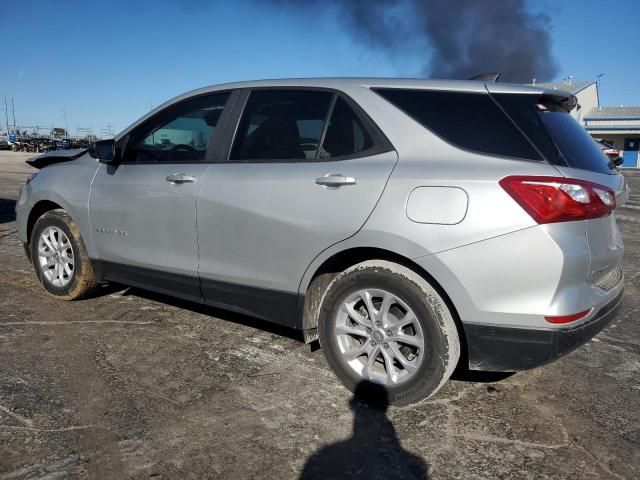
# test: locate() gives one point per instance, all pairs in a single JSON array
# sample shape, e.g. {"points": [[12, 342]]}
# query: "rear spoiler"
{"points": [[558, 101], [551, 99], [56, 156], [487, 77]]}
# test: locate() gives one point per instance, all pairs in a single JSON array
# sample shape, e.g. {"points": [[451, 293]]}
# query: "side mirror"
{"points": [[104, 151]]}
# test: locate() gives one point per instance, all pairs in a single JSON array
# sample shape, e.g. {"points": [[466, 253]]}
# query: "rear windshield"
{"points": [[577, 147], [554, 132], [471, 121]]}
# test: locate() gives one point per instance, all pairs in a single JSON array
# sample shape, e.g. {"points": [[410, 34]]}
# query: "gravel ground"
{"points": [[135, 385]]}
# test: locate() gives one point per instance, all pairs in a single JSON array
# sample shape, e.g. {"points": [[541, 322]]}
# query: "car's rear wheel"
{"points": [[60, 258], [380, 322]]}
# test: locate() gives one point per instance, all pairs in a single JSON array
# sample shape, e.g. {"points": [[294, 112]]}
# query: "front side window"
{"points": [[181, 134]]}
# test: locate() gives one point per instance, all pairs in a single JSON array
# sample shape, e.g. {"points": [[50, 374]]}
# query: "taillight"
{"points": [[559, 199], [568, 318]]}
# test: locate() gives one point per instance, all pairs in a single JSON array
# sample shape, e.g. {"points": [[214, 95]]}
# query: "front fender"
{"points": [[30, 202], [66, 185]]}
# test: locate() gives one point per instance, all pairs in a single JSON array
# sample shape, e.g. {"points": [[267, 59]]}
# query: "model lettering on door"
{"points": [[113, 231]]}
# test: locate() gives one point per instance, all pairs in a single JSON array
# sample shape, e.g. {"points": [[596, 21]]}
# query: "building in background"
{"points": [[585, 91], [618, 126]]}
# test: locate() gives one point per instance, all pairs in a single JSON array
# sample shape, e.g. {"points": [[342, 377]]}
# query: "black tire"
{"points": [[82, 278], [442, 345]]}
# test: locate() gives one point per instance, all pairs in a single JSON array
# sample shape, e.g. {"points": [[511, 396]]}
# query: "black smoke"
{"points": [[464, 37]]}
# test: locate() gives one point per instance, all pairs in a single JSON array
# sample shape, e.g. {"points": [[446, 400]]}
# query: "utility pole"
{"points": [[6, 115], [13, 112], [599, 85], [66, 125], [107, 131]]}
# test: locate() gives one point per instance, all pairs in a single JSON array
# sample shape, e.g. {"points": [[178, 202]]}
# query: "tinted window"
{"points": [[523, 111], [554, 132], [577, 147], [346, 135], [181, 134], [281, 125], [471, 121]]}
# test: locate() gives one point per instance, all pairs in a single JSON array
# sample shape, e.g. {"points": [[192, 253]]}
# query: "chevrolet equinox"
{"points": [[410, 225]]}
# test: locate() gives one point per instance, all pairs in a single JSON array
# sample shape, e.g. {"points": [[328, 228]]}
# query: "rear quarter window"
{"points": [[471, 121]]}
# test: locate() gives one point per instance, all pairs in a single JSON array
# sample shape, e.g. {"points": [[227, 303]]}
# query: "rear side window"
{"points": [[346, 135], [471, 121], [282, 125], [303, 125]]}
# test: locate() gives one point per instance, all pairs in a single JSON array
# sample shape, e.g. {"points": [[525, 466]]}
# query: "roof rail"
{"points": [[487, 77]]}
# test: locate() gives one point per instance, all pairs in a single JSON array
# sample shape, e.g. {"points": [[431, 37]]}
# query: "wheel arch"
{"points": [[344, 259], [40, 208]]}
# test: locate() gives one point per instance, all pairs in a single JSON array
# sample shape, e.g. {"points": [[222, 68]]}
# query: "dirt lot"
{"points": [[135, 385]]}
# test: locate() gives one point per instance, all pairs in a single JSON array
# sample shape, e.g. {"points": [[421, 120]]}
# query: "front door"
{"points": [[143, 210], [293, 184], [630, 155]]}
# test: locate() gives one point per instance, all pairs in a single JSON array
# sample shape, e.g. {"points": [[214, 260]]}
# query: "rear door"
{"points": [[303, 171], [143, 210]]}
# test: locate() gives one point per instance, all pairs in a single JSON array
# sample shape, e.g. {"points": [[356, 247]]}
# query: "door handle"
{"points": [[335, 180], [180, 178]]}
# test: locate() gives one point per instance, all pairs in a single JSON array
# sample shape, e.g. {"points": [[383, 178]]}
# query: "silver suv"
{"points": [[413, 226]]}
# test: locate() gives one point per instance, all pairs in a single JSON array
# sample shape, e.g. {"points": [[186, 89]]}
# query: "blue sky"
{"points": [[106, 63]]}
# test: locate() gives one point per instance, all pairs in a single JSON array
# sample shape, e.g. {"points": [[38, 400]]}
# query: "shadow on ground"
{"points": [[373, 450], [203, 309], [461, 373], [7, 210]]}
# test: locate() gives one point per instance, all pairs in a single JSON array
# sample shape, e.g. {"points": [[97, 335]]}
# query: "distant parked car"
{"points": [[4, 144], [608, 149], [63, 144], [407, 224], [612, 153]]}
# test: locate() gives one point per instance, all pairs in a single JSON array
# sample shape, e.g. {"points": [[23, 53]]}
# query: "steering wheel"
{"points": [[183, 148]]}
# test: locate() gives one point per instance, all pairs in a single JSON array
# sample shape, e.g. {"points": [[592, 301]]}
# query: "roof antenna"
{"points": [[487, 77]]}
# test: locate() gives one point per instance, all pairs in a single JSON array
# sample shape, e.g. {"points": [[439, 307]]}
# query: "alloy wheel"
{"points": [[55, 256], [379, 336]]}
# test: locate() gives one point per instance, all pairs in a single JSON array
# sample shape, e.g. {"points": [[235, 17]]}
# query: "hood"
{"points": [[56, 156]]}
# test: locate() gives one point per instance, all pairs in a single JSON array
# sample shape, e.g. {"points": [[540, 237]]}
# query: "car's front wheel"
{"points": [[382, 323], [59, 256]]}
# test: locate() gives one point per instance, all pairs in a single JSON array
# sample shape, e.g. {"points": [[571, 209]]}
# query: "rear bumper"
{"points": [[504, 349]]}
